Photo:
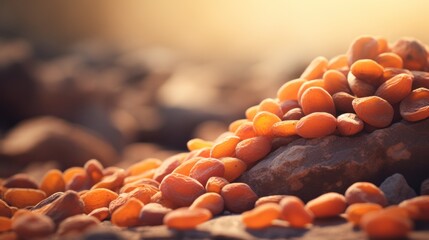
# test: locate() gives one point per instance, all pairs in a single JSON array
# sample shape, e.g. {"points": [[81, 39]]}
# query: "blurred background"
{"points": [[123, 80]]}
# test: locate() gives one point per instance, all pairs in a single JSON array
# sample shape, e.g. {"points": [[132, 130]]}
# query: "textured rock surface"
{"points": [[396, 189], [51, 139], [308, 168]]}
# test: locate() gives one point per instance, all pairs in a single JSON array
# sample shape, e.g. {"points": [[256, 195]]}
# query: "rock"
{"points": [[424, 188], [308, 168], [396, 189], [51, 139]]}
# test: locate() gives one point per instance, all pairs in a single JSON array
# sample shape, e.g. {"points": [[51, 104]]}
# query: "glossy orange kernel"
{"points": [[367, 70], [315, 69], [245, 131], [364, 192], [335, 81], [168, 166], [5, 224], [356, 211], [215, 184], [53, 182], [412, 52], [210, 201], [224, 147], [263, 121], [186, 218], [206, 168], [233, 126], [97, 198], [251, 112], [143, 166], [94, 171], [415, 106], [374, 110], [23, 197], [284, 128], [317, 99], [389, 59], [349, 124], [418, 207], [234, 167], [261, 216], [198, 143], [253, 149], [186, 166], [396, 88], [363, 47], [309, 84], [180, 189], [327, 205], [315, 125], [294, 212], [100, 213], [269, 199], [127, 215], [338, 62], [289, 90], [383, 45], [238, 197], [386, 224], [272, 106], [389, 72], [71, 172], [112, 182]]}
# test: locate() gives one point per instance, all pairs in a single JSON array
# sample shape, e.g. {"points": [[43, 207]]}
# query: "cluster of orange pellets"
{"points": [[370, 87]]}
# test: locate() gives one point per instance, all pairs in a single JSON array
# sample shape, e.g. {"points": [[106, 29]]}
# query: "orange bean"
{"points": [[180, 189], [363, 47], [245, 131], [335, 81], [186, 218], [361, 192], [128, 215], [100, 213], [234, 167], [186, 166], [253, 149], [152, 214], [70, 173], [215, 184], [5, 224], [349, 124], [23, 197], [327, 205], [94, 171], [235, 125], [29, 225], [143, 166], [420, 79], [315, 125], [269, 199], [359, 87], [76, 225], [225, 147], [5, 210], [338, 62], [317, 99], [389, 59], [263, 122], [315, 69], [309, 84], [97, 198], [198, 143], [415, 106], [251, 112], [20, 180], [168, 166], [270, 105], [374, 110], [396, 88], [294, 212], [288, 105], [53, 182], [389, 72], [293, 114], [112, 182], [367, 70], [284, 128], [210, 201], [421, 204], [356, 211], [206, 168], [261, 217], [238, 197], [386, 224], [289, 90]]}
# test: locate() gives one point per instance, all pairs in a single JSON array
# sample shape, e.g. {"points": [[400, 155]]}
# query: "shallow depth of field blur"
{"points": [[143, 77]]}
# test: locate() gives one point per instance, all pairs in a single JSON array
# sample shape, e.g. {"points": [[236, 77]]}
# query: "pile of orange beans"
{"points": [[371, 86]]}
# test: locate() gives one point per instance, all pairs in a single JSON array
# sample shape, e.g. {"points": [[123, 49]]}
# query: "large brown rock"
{"points": [[52, 139], [308, 168]]}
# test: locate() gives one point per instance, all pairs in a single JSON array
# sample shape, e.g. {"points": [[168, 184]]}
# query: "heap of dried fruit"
{"points": [[370, 87]]}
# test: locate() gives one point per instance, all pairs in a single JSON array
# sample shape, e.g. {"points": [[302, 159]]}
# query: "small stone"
{"points": [[396, 189], [424, 187]]}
